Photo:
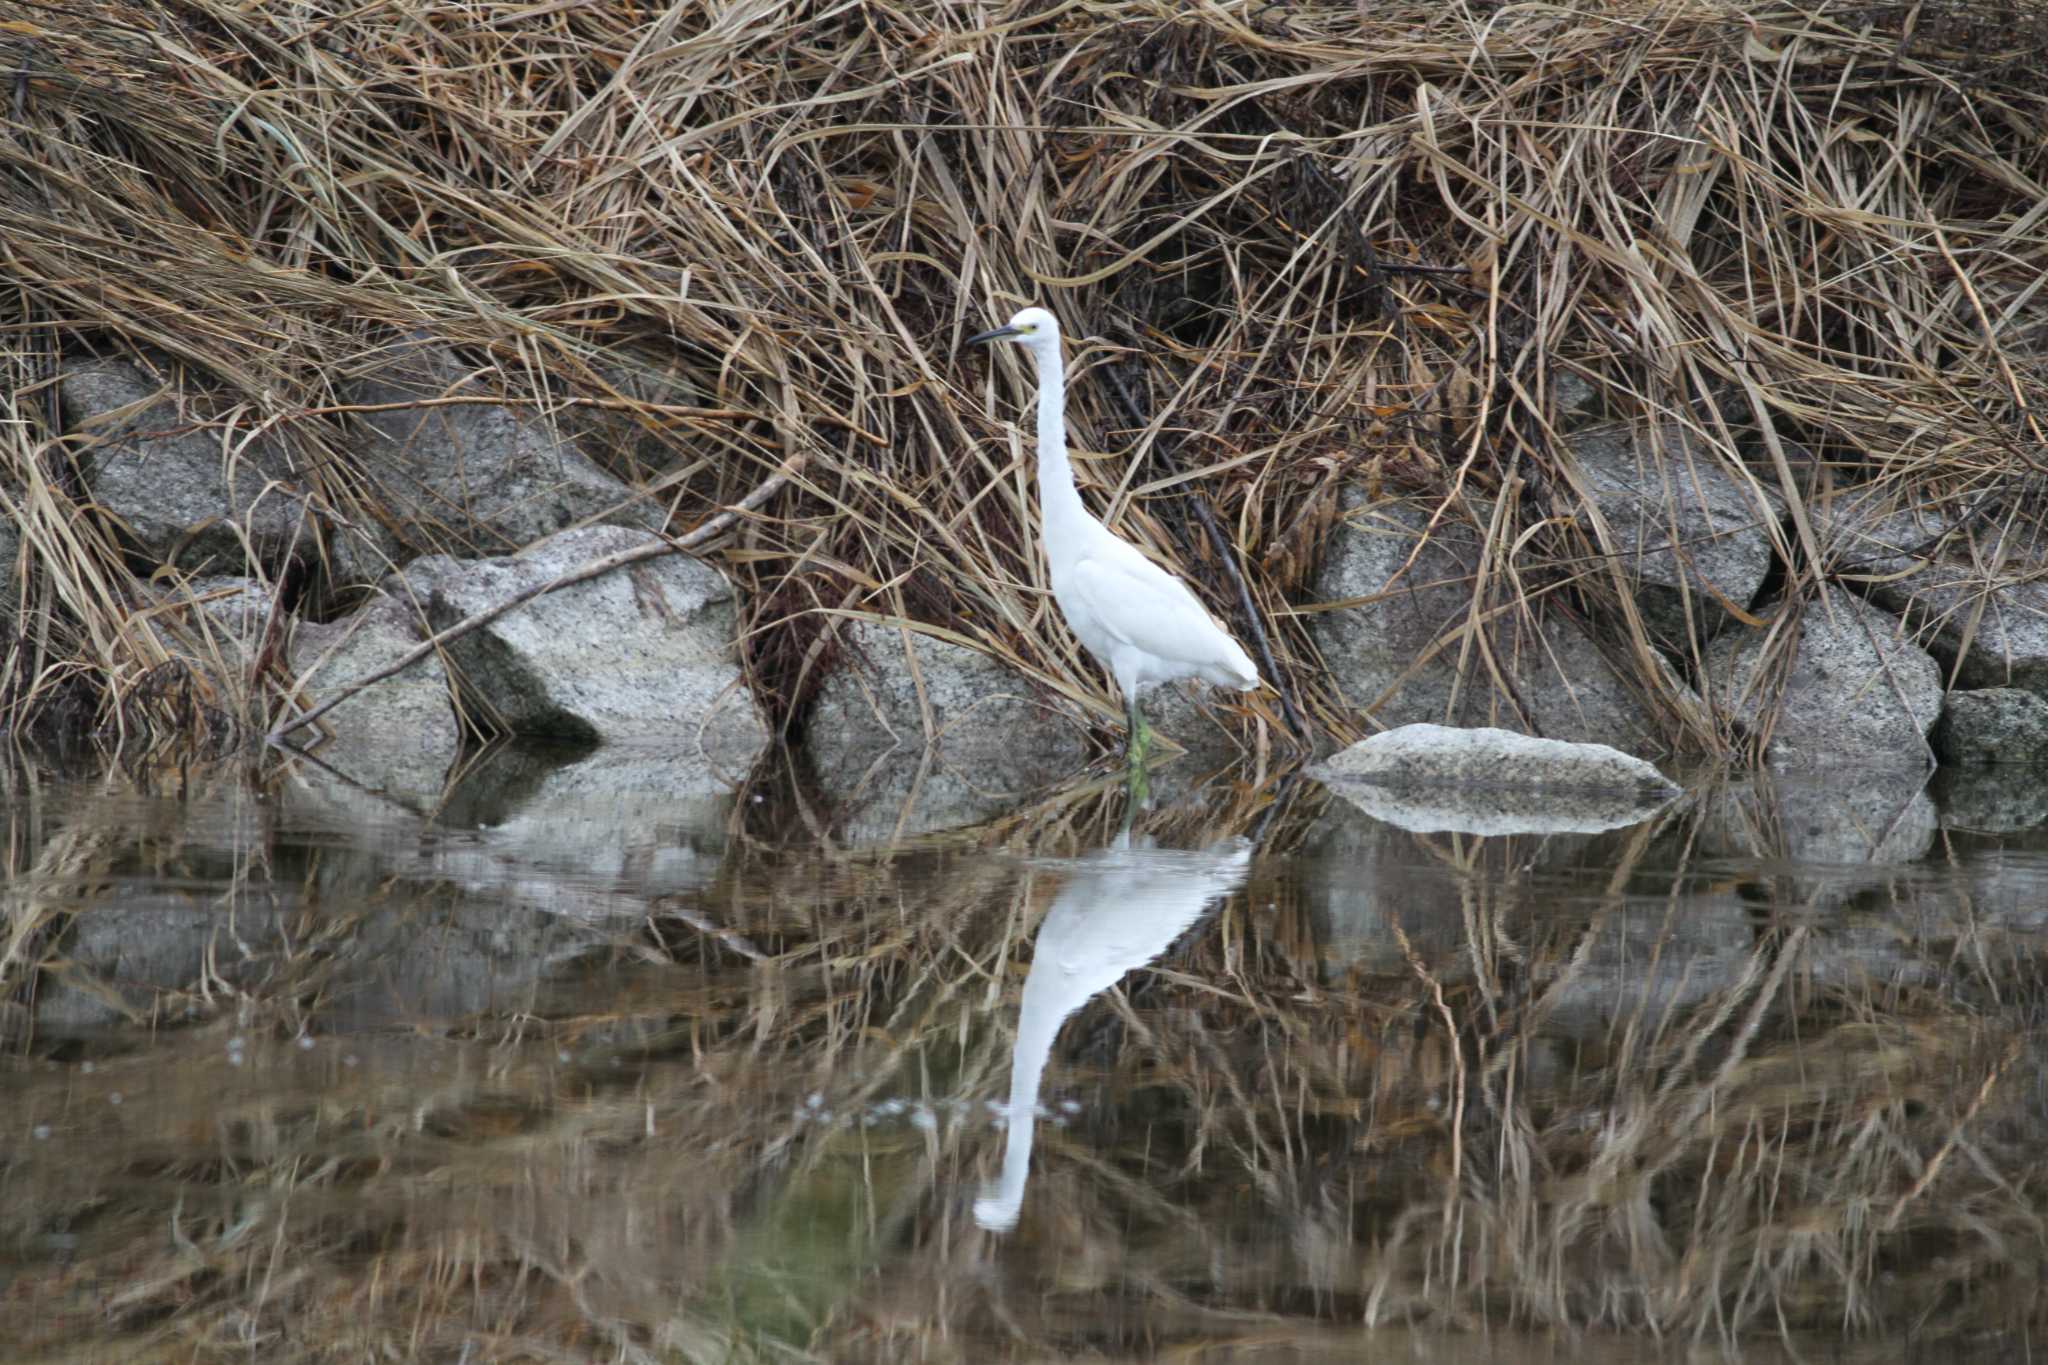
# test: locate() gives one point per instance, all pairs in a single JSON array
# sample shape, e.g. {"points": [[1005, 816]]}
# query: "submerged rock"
{"points": [[1992, 799], [642, 653], [1857, 692], [136, 945], [1378, 892], [593, 835], [1404, 599], [1498, 812], [1369, 888], [1691, 540], [948, 728], [490, 476], [1833, 835], [1646, 958], [185, 491]]}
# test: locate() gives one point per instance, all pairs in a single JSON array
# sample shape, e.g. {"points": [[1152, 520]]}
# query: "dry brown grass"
{"points": [[1815, 234]]}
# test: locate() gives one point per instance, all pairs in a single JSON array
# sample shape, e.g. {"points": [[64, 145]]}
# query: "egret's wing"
{"points": [[1149, 609]]}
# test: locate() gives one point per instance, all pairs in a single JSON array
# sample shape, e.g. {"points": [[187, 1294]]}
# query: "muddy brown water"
{"points": [[576, 1060]]}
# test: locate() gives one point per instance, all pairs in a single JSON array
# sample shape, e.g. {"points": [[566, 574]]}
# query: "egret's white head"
{"points": [[1034, 327]]}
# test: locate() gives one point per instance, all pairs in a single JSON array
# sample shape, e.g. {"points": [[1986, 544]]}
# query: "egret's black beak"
{"points": [[993, 334]]}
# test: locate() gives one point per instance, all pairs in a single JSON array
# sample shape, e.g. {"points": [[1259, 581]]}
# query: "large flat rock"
{"points": [[642, 654]]}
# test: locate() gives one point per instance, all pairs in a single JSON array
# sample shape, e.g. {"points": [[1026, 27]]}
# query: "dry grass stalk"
{"points": [[1809, 233]]}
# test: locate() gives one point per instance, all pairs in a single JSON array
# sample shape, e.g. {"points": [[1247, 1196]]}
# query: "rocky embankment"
{"points": [[1915, 639]]}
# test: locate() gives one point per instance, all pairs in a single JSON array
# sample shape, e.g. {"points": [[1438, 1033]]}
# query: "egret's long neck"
{"points": [[1059, 501]]}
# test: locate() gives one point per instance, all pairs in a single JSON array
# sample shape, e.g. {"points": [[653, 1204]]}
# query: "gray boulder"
{"points": [[184, 491], [1576, 400], [1965, 590], [1993, 725], [885, 798], [1202, 721], [221, 612], [453, 468], [215, 625], [645, 653], [1864, 537], [1857, 691], [399, 735], [626, 442], [1690, 540], [1993, 633], [1564, 688], [991, 735]]}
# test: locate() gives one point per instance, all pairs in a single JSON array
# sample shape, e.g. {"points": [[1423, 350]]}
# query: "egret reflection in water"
{"points": [[1121, 907]]}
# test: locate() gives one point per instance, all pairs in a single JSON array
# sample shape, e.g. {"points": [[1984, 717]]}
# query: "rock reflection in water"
{"points": [[1120, 908], [582, 1058]]}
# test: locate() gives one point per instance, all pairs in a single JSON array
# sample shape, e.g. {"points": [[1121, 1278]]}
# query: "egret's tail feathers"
{"points": [[1235, 671]]}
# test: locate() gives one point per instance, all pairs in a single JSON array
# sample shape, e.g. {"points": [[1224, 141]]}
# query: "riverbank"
{"points": [[1662, 377]]}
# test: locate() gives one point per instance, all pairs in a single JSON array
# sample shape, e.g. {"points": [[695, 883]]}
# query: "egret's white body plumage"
{"points": [[1142, 623]]}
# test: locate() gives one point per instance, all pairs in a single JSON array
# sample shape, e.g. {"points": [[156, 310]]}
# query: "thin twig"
{"points": [[595, 568]]}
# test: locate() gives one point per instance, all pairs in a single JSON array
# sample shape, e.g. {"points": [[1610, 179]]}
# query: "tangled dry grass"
{"points": [[1317, 242]]}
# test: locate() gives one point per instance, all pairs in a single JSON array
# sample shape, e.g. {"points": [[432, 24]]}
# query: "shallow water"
{"points": [[579, 1061]]}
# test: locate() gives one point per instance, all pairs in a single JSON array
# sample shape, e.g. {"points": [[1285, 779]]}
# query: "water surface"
{"points": [[581, 1059]]}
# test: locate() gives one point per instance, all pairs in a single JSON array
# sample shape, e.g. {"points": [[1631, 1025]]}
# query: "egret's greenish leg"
{"points": [[1137, 745], [1138, 740]]}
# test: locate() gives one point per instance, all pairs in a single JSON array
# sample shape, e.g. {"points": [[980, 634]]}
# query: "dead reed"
{"points": [[1318, 242]]}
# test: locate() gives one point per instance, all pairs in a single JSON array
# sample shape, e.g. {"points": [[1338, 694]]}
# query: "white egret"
{"points": [[1141, 622]]}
